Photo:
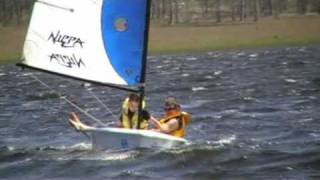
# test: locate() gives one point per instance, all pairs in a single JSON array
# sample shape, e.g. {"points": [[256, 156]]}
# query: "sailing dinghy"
{"points": [[121, 138], [98, 41]]}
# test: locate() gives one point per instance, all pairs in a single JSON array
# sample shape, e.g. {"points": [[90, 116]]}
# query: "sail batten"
{"points": [[56, 6], [101, 41]]}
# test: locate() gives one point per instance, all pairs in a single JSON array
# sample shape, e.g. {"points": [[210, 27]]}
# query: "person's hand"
{"points": [[119, 125], [141, 85], [155, 122]]}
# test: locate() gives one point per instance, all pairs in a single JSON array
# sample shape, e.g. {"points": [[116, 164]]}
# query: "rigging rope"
{"points": [[69, 101], [99, 100]]}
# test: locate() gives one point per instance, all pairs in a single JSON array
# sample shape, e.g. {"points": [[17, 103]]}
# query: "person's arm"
{"points": [[119, 123], [155, 122], [172, 125]]}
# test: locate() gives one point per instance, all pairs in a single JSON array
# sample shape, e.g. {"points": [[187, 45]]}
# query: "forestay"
{"points": [[93, 40]]}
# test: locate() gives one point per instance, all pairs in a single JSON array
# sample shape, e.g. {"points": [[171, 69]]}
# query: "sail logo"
{"points": [[65, 41], [124, 143], [67, 61], [121, 24]]}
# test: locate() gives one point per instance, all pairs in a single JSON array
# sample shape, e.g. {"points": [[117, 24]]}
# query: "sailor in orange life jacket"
{"points": [[129, 113], [174, 121]]}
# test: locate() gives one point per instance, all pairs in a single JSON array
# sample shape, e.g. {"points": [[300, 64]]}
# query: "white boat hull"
{"points": [[119, 138]]}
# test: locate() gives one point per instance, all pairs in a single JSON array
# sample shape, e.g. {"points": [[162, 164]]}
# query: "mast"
{"points": [[144, 61]]}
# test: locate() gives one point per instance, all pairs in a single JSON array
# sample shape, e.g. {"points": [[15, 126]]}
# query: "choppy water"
{"points": [[255, 114]]}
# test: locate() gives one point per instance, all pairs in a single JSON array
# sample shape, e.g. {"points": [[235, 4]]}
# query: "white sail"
{"points": [[94, 40]]}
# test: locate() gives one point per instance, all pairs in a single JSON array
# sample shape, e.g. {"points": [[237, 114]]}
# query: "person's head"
{"points": [[134, 100], [171, 105]]}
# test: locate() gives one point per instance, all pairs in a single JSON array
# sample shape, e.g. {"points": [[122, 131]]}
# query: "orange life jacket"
{"points": [[183, 118]]}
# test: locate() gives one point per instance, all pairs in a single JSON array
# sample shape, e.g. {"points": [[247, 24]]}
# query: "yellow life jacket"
{"points": [[133, 122], [183, 118]]}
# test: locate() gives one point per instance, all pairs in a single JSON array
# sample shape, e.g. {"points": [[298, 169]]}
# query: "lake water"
{"points": [[255, 115]]}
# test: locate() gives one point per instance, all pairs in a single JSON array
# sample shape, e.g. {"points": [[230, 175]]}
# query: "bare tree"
{"points": [[233, 10], [204, 4], [266, 7], [9, 12], [171, 12], [256, 10], [153, 9], [176, 11], [218, 11], [302, 6], [315, 6], [164, 9], [275, 8], [242, 10], [283, 5], [2, 11], [17, 11], [188, 14]]}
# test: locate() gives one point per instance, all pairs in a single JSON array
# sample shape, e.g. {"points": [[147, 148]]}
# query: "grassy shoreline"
{"points": [[266, 33], [11, 43], [287, 31]]}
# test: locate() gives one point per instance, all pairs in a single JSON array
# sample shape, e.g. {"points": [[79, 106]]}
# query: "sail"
{"points": [[93, 40]]}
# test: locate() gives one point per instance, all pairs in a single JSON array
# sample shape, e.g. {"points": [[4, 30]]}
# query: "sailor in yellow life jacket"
{"points": [[128, 118], [129, 113], [174, 121]]}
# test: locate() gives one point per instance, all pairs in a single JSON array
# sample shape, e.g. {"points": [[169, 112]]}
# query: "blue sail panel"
{"points": [[123, 28]]}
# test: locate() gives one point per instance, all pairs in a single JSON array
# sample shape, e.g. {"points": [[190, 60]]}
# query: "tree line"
{"points": [[218, 11], [16, 12]]}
